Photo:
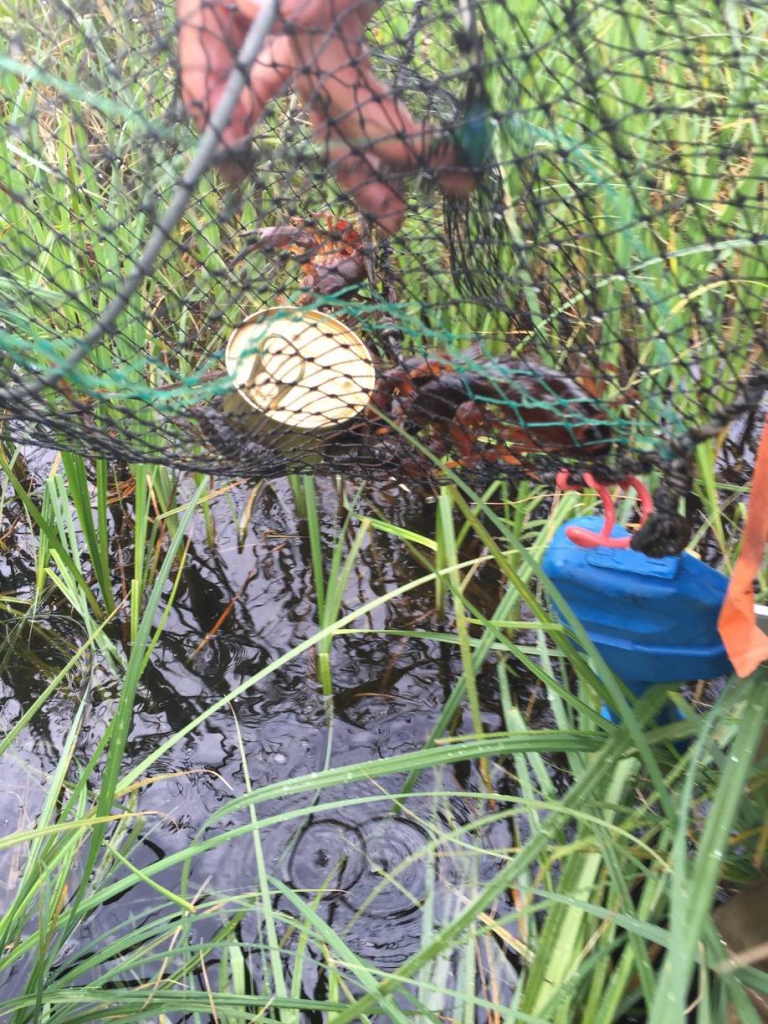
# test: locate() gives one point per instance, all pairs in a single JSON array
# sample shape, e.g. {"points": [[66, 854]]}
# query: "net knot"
{"points": [[666, 531]]}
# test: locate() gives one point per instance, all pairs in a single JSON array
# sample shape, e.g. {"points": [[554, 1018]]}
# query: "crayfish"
{"points": [[494, 410], [332, 257], [497, 411]]}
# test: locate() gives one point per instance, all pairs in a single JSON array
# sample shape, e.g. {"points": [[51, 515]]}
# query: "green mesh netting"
{"points": [[596, 301]]}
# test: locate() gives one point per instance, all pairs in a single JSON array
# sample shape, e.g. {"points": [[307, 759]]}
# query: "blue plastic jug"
{"points": [[653, 620]]}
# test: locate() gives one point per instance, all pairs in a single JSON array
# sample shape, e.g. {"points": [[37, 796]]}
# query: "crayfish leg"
{"points": [[469, 420]]}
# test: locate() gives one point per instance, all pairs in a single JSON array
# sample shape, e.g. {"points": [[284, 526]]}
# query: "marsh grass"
{"points": [[614, 878]]}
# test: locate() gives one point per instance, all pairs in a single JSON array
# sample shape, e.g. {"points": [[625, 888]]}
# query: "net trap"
{"points": [[387, 242]]}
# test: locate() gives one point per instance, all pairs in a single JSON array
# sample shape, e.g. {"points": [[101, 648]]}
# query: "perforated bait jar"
{"points": [[298, 375]]}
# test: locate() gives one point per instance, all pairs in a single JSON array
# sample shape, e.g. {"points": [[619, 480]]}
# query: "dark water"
{"points": [[388, 693], [253, 590]]}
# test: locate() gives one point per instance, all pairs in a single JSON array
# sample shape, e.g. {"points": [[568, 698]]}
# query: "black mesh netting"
{"points": [[561, 260]]}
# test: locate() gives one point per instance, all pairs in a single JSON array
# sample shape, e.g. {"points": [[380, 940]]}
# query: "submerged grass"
{"points": [[599, 907], [613, 880]]}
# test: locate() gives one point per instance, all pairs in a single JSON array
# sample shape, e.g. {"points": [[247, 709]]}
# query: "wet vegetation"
{"points": [[308, 751], [323, 752]]}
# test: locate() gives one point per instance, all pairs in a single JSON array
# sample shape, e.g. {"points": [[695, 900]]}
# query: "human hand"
{"points": [[318, 48]]}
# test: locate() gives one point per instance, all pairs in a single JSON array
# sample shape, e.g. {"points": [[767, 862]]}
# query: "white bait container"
{"points": [[298, 374]]}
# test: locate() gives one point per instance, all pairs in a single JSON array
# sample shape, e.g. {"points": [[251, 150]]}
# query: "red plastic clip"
{"points": [[588, 538]]}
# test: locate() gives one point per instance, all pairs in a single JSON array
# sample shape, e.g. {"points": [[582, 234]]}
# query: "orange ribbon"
{"points": [[745, 643]]}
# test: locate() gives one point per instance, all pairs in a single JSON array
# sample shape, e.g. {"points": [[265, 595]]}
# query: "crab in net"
{"points": [[329, 250], [470, 410], [476, 411]]}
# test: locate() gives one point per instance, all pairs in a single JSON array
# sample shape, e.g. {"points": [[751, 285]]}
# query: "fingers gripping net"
{"points": [[561, 259]]}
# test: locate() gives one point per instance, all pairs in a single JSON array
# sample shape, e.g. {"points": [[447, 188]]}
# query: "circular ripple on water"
{"points": [[329, 857], [393, 883]]}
